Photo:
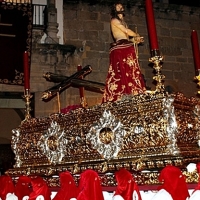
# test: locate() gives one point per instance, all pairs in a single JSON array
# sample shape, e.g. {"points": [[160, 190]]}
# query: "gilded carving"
{"points": [[142, 133]]}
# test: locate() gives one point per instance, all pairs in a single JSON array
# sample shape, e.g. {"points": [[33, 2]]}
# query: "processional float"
{"points": [[142, 133]]}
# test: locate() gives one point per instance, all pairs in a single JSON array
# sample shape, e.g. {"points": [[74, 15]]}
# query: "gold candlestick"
{"points": [[58, 99], [27, 96], [156, 59], [197, 78], [83, 102]]}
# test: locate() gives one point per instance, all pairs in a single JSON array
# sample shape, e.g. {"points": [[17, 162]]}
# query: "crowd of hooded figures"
{"points": [[172, 186]]}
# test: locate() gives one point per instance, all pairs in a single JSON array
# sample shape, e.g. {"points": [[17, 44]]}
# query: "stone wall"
{"points": [[87, 27], [174, 25]]}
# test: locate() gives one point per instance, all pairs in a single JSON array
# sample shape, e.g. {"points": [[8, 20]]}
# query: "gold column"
{"points": [[27, 96], [156, 59]]}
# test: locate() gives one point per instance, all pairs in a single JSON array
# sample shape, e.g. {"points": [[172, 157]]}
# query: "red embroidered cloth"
{"points": [[124, 75]]}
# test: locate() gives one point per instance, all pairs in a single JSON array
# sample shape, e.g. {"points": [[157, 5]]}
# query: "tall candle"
{"points": [[26, 71], [151, 25], [195, 48]]}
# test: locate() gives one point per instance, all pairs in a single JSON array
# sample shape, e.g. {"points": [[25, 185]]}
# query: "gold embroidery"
{"points": [[124, 77]]}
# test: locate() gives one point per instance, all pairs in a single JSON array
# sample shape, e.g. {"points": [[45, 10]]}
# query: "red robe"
{"points": [[124, 75], [6, 186], [22, 187], [40, 189], [127, 188], [90, 186], [68, 188], [174, 182]]}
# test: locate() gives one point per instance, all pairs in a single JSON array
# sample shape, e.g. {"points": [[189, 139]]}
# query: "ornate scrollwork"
{"points": [[106, 136], [144, 132], [172, 125], [53, 144], [197, 114], [14, 146]]}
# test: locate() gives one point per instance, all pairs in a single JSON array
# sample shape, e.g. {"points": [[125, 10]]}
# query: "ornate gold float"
{"points": [[141, 133]]}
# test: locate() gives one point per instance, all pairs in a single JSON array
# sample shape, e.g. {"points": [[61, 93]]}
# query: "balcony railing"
{"points": [[16, 1], [39, 16]]}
